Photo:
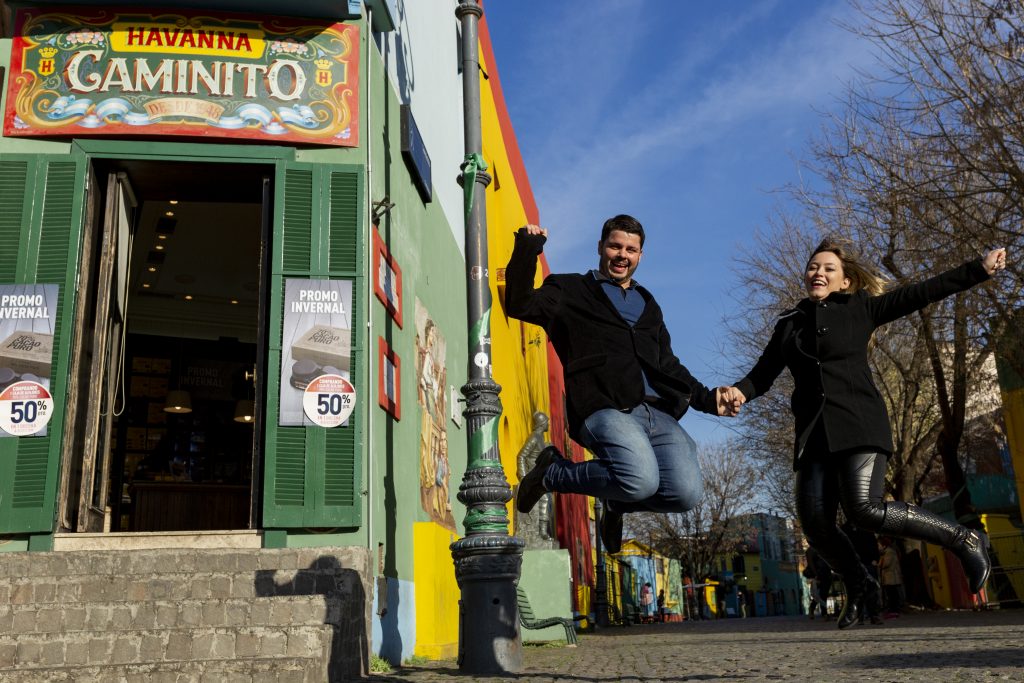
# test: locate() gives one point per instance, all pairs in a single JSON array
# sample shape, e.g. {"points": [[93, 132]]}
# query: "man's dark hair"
{"points": [[625, 224]]}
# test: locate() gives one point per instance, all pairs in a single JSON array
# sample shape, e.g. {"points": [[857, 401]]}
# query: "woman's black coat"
{"points": [[825, 346]]}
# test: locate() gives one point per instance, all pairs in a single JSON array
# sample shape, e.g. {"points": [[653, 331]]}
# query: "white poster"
{"points": [[316, 341], [28, 316]]}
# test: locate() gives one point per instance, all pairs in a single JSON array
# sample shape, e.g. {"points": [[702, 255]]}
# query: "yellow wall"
{"points": [[1007, 549], [437, 593], [522, 376], [938, 575], [1013, 414], [711, 598], [1007, 546], [755, 576]]}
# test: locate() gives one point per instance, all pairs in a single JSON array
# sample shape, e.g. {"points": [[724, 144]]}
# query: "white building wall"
{"points": [[422, 58]]}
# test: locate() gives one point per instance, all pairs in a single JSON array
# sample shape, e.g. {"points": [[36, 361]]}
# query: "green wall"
{"points": [[547, 581], [419, 237]]}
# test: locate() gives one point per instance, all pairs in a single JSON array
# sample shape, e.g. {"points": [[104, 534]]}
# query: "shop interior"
{"points": [[184, 442]]}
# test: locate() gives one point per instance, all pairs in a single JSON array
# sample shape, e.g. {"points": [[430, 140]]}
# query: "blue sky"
{"points": [[689, 115]]}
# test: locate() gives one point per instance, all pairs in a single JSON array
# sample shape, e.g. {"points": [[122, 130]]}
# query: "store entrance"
{"points": [[166, 417]]}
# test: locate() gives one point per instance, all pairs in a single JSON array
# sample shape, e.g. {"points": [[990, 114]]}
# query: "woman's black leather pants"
{"points": [[856, 481]]}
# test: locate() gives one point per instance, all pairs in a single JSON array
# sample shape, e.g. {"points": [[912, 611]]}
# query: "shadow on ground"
{"points": [[973, 658]]}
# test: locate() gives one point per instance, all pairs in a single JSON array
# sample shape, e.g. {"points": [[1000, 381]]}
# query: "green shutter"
{"points": [[13, 184], [40, 226], [313, 474]]}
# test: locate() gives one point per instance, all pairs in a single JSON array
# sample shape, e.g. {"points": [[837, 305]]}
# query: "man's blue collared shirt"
{"points": [[630, 305]]}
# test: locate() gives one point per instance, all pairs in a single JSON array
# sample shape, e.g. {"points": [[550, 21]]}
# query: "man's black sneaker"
{"points": [[531, 486]]}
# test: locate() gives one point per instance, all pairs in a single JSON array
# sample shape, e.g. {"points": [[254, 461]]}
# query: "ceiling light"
{"points": [[169, 213], [145, 285], [234, 301], [161, 237], [173, 201], [178, 401], [188, 297], [159, 247], [151, 269], [245, 411]]}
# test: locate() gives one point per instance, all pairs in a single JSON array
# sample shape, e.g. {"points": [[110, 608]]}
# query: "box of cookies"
{"points": [[27, 352]]}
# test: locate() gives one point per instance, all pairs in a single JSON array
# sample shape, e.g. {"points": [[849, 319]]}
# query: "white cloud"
{"points": [[603, 149]]}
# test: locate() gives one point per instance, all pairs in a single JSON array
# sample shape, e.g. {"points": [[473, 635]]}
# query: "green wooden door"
{"points": [[40, 225], [312, 475]]}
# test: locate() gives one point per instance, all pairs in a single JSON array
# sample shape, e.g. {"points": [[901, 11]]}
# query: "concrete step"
{"points": [[175, 561], [255, 670], [134, 540], [298, 610], [43, 589], [28, 651], [104, 576], [185, 614]]}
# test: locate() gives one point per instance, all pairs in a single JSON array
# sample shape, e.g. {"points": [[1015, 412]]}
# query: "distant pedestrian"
{"points": [[661, 605], [647, 599], [892, 577], [821, 578]]}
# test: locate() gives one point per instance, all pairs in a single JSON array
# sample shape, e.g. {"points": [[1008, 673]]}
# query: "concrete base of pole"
{"points": [[489, 639], [487, 567]]}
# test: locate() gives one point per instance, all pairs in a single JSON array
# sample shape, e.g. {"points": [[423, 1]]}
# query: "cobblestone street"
{"points": [[930, 646]]}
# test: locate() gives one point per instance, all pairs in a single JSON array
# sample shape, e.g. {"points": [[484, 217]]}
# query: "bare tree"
{"points": [[715, 527], [771, 269], [922, 170]]}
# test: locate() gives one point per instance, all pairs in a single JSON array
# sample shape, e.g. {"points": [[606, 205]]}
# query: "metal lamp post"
{"points": [[488, 559]]}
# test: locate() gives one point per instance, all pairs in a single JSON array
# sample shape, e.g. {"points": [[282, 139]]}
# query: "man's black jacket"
{"points": [[825, 346], [601, 354]]}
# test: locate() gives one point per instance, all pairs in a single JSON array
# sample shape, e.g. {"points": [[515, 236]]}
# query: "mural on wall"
{"points": [[431, 394], [92, 71]]}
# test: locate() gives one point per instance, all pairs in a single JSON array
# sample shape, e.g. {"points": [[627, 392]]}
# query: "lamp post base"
{"points": [[487, 568]]}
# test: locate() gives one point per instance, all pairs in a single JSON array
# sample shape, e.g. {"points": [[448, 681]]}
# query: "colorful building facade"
{"points": [[234, 263], [767, 573]]}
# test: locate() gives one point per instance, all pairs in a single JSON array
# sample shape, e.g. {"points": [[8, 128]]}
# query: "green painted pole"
{"points": [[487, 559]]}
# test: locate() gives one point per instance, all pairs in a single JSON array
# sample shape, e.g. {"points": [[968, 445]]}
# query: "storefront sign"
{"points": [[28, 315], [316, 343], [88, 72]]}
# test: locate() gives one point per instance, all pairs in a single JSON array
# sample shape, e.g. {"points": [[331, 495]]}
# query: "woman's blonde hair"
{"points": [[861, 276]]}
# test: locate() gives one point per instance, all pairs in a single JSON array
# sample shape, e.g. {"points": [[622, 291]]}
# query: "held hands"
{"points": [[729, 401], [994, 260], [532, 229]]}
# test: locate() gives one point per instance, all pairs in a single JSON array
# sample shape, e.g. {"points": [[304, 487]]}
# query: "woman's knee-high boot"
{"points": [[862, 593], [861, 587], [910, 521]]}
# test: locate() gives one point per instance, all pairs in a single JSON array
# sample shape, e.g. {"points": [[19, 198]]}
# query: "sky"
{"points": [[690, 115]]}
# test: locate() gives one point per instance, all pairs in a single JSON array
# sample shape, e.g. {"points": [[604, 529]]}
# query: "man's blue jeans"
{"points": [[645, 461]]}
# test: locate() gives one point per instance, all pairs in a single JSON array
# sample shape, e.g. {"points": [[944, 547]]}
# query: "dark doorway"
{"points": [[170, 442]]}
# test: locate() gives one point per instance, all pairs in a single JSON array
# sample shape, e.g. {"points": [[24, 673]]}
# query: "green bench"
{"points": [[529, 621]]}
